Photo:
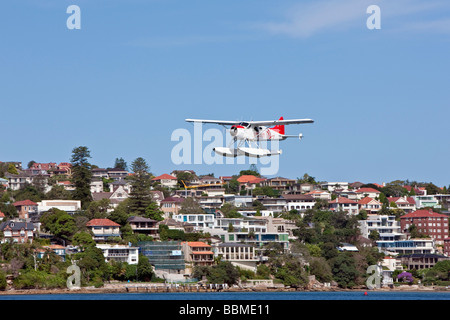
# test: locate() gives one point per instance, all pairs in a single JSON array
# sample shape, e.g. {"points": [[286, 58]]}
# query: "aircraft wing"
{"points": [[280, 122], [230, 123], [255, 123]]}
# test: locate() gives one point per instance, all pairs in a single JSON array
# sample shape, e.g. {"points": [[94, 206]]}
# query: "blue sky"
{"points": [[136, 69]]}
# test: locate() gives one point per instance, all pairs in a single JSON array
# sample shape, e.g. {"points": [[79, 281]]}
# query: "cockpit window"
{"points": [[244, 124]]}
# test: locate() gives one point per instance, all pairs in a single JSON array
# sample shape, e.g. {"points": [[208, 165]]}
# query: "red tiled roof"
{"points": [[102, 223], [343, 200], [367, 190], [2, 215], [424, 213], [366, 200], [165, 176], [409, 200], [197, 244], [24, 203], [246, 178]]}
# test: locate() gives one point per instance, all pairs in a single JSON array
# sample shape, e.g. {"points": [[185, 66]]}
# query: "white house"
{"points": [[166, 180], [200, 221], [120, 253], [368, 192], [299, 202], [331, 186], [70, 206], [370, 205], [344, 204]]}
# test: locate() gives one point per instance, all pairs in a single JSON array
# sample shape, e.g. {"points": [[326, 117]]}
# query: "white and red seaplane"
{"points": [[248, 134]]}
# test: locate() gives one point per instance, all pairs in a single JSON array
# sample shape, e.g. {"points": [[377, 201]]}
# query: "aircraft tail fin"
{"points": [[279, 128]]}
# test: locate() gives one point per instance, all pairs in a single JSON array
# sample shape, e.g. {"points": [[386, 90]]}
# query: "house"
{"points": [[2, 216], [278, 183], [368, 192], [157, 196], [370, 205], [426, 201], [70, 206], [344, 204], [419, 191], [447, 246], [177, 225], [117, 173], [211, 203], [200, 221], [44, 166], [419, 261], [120, 253], [116, 197], [57, 249], [4, 183], [63, 168], [407, 246], [407, 204], [17, 231], [66, 184], [239, 201], [26, 208], [171, 205], [18, 181], [317, 194], [299, 202], [249, 181], [164, 256], [144, 225], [428, 222], [332, 186], [387, 228], [210, 180], [166, 180], [257, 239], [241, 255], [277, 205], [99, 173], [96, 185], [198, 253], [103, 229]]}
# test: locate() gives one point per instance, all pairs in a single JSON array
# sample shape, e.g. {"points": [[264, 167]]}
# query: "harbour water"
{"points": [[241, 296]]}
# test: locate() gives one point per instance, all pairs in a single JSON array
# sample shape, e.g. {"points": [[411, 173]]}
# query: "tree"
{"points": [[306, 179], [58, 192], [140, 196], [83, 239], [344, 270], [98, 209], [81, 175], [12, 169], [190, 206], [120, 163], [232, 186], [154, 212], [30, 164], [223, 272], [59, 223], [144, 268], [93, 266]]}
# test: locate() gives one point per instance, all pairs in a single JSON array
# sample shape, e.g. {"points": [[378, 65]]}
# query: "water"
{"points": [[239, 296]]}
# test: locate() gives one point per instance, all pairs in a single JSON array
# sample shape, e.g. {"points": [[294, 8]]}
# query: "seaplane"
{"points": [[247, 135]]}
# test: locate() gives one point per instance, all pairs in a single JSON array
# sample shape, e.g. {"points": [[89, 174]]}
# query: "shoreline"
{"points": [[127, 288]]}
